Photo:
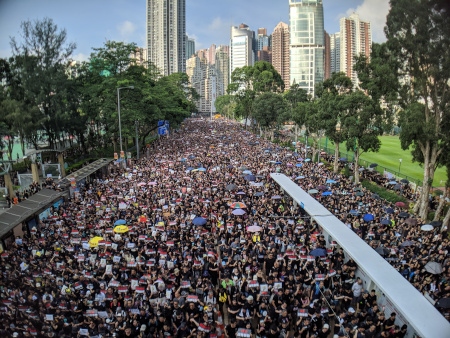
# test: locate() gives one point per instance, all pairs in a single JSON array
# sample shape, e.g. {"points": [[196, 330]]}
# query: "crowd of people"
{"points": [[197, 240]]}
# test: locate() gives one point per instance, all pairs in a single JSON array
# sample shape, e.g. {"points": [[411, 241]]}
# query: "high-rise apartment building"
{"points": [[327, 66], [335, 53], [166, 35], [204, 78], [212, 54], [264, 54], [280, 51], [306, 43], [262, 39], [140, 56], [190, 47], [356, 39], [241, 47], [222, 64]]}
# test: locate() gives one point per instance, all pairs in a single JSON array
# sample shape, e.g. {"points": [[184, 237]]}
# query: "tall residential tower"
{"points": [[280, 51], [166, 35], [356, 39], [306, 43]]}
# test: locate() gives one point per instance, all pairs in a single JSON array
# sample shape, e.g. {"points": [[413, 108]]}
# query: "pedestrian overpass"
{"points": [[394, 292]]}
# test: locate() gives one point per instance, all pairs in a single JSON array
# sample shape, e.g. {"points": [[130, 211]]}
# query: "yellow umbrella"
{"points": [[93, 242], [120, 229]]}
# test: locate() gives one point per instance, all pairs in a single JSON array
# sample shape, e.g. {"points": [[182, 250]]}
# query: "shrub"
{"points": [[388, 195]]}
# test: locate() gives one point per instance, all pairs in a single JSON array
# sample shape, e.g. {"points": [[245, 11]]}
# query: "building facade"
{"points": [[307, 50], [242, 43], [166, 35], [335, 53], [190, 47], [355, 40], [140, 56], [327, 66], [280, 52], [222, 65], [262, 39]]}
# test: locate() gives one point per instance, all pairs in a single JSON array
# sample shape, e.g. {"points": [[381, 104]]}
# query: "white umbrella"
{"points": [[427, 227], [254, 228]]}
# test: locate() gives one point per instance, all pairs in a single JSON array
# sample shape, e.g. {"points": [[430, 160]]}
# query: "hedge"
{"points": [[388, 195]]}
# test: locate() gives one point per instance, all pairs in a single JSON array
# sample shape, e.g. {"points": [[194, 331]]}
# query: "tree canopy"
{"points": [[418, 37], [48, 97]]}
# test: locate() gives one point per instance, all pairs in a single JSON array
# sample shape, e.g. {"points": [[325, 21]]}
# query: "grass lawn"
{"points": [[388, 158]]}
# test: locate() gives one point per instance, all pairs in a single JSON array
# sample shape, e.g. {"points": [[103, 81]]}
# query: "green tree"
{"points": [[225, 105], [293, 96], [362, 124], [40, 58], [251, 81], [268, 110], [308, 113], [333, 107], [418, 36]]}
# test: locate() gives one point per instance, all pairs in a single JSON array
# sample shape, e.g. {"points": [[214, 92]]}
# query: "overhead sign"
{"points": [[162, 131]]}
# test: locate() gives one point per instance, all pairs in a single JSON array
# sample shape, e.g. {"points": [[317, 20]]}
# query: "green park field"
{"points": [[388, 158]]}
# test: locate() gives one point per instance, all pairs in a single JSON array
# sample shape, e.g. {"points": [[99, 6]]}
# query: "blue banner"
{"points": [[162, 131], [161, 123]]}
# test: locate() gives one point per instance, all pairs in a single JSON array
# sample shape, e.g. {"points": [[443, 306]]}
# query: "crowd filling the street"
{"points": [[196, 240]]}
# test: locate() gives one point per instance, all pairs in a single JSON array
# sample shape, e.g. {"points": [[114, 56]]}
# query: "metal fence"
{"points": [[25, 180], [389, 172], [52, 169]]}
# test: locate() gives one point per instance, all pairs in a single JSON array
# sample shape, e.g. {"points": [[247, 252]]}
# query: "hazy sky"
{"points": [[89, 23]]}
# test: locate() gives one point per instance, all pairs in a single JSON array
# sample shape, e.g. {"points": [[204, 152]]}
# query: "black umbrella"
{"points": [[373, 165], [443, 303], [375, 196], [231, 186], [382, 251], [436, 223], [404, 181], [385, 221], [403, 215]]}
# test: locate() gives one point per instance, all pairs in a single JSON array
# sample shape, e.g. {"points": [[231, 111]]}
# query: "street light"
{"points": [[118, 110], [399, 164]]}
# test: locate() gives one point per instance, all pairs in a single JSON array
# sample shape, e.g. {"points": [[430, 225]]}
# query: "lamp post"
{"points": [[399, 164], [137, 139], [118, 110]]}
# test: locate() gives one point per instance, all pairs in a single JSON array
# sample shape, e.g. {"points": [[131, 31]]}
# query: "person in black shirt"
{"points": [[273, 332], [269, 262], [231, 329]]}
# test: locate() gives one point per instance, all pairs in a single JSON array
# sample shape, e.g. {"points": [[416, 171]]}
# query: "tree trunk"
{"points": [[356, 167], [336, 157], [446, 221], [440, 207], [430, 157]]}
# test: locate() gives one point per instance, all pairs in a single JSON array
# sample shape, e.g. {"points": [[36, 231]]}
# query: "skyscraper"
{"points": [[166, 35], [280, 51], [335, 53], [262, 40], [211, 54], [241, 47], [356, 39], [190, 47], [223, 68], [327, 69], [306, 43]]}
